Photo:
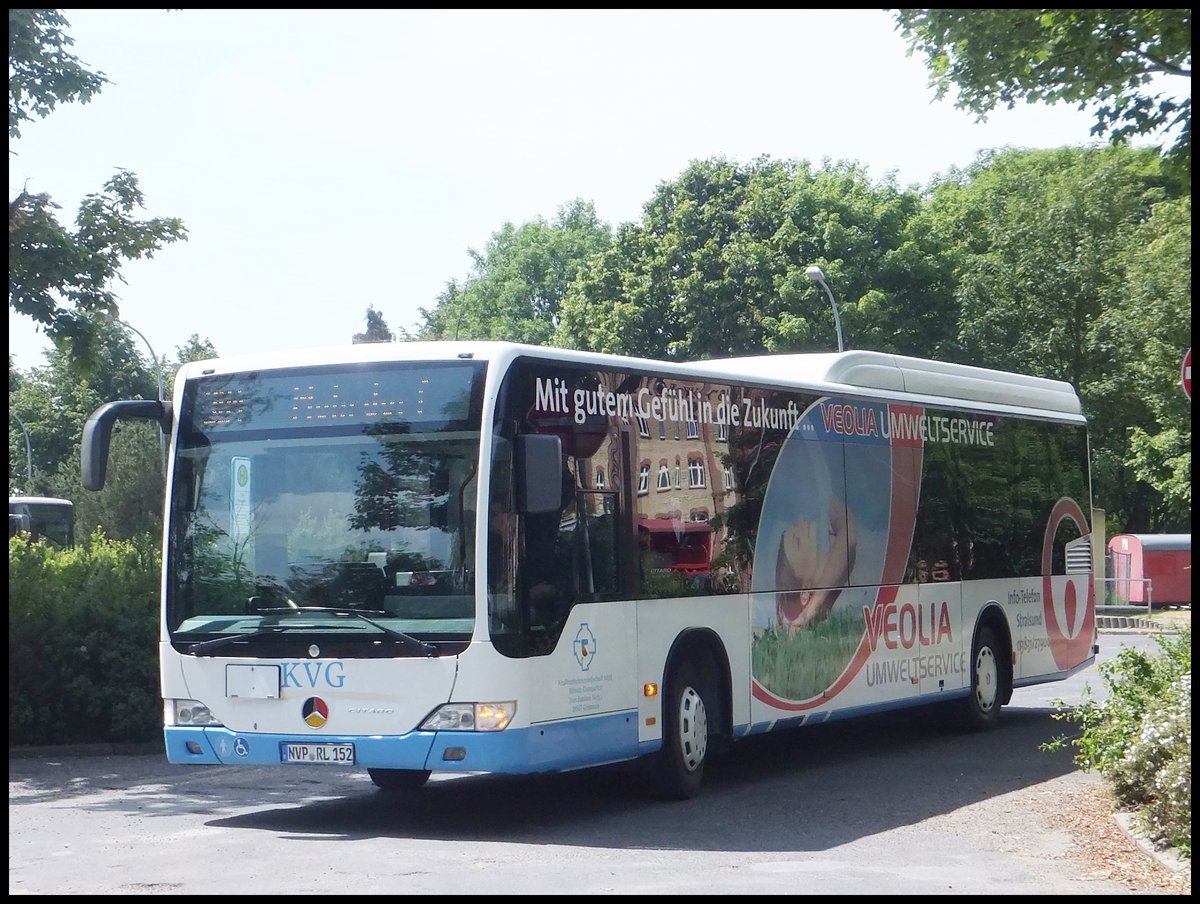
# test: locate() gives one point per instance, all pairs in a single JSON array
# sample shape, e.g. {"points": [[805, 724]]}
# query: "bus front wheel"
{"points": [[680, 771], [399, 779]]}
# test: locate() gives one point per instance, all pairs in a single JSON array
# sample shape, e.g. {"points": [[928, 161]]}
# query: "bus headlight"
{"points": [[188, 712], [471, 717]]}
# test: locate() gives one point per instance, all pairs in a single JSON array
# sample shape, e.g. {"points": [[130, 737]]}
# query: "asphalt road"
{"points": [[893, 804]]}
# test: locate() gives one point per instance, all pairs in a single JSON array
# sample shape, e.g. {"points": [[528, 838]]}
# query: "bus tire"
{"points": [[989, 681], [680, 764], [399, 779]]}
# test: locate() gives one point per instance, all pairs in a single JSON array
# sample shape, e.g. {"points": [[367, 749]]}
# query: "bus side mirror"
{"points": [[538, 474], [97, 433]]}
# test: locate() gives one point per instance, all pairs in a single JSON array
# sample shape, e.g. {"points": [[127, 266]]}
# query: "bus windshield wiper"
{"points": [[427, 648], [206, 646]]}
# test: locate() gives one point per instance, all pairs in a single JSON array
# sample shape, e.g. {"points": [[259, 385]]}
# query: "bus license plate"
{"points": [[318, 754]]}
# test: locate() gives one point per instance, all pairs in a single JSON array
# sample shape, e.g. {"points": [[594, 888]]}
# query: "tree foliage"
{"points": [[1037, 237], [55, 401], [1099, 58], [130, 504], [716, 267], [195, 349], [1141, 335], [520, 280], [62, 278], [1041, 243], [41, 72], [377, 329]]}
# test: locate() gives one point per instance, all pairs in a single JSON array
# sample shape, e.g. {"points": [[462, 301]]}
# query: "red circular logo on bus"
{"points": [[1069, 631]]}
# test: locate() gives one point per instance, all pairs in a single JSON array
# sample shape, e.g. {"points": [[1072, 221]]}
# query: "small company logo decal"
{"points": [[585, 647], [315, 712]]}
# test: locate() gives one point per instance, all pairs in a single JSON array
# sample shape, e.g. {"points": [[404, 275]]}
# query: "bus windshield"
{"points": [[302, 497]]}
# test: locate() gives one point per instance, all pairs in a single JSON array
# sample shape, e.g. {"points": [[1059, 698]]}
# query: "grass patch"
{"points": [[798, 665]]}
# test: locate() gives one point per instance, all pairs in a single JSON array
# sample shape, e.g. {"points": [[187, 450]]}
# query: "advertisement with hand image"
{"points": [[837, 522]]}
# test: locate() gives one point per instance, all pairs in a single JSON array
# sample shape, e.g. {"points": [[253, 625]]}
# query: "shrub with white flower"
{"points": [[1140, 737], [1155, 774]]}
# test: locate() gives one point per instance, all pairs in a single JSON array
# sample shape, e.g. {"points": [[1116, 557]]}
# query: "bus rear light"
{"points": [[188, 712], [471, 717]]}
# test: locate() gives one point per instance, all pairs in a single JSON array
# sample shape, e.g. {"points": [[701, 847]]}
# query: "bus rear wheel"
{"points": [[399, 779], [989, 681], [680, 764]]}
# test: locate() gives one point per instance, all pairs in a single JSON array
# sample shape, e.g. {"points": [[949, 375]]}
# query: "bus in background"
{"points": [[489, 557], [43, 517]]}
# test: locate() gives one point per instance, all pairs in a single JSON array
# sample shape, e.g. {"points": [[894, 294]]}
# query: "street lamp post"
{"points": [[816, 275], [162, 446], [28, 455]]}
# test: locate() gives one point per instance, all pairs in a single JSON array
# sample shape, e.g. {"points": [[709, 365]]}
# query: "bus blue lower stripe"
{"points": [[549, 747]]}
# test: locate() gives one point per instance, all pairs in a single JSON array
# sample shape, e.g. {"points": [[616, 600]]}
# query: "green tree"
{"points": [[377, 329], [1143, 332], [41, 73], [1100, 58], [1037, 236], [717, 267], [518, 284], [195, 349], [1040, 244], [63, 278], [131, 502], [54, 402]]}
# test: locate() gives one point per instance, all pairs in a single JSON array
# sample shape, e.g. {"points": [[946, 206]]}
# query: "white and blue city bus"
{"points": [[487, 557]]}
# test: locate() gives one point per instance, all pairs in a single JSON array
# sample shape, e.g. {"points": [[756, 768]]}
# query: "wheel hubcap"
{"points": [[693, 729], [987, 679]]}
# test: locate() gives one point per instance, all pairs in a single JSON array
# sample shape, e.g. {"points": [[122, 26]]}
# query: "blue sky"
{"points": [[328, 160]]}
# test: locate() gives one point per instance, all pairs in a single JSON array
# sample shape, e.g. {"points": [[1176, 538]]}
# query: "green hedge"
{"points": [[83, 642]]}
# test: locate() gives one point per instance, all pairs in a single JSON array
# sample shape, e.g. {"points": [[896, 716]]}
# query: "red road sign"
{"points": [[1187, 373]]}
